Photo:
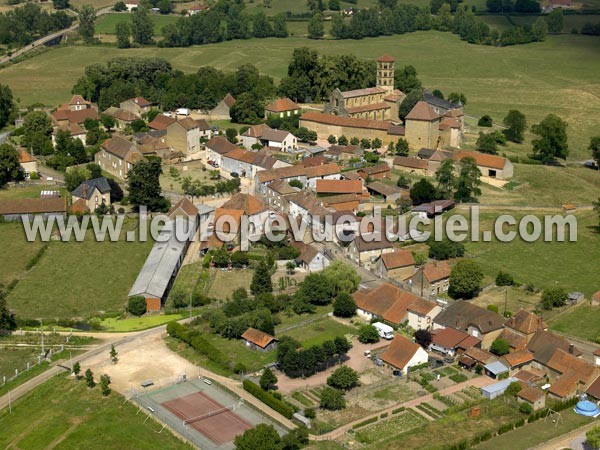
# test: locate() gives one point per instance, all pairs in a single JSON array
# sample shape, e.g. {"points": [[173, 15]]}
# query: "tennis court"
{"points": [[215, 421], [207, 415]]}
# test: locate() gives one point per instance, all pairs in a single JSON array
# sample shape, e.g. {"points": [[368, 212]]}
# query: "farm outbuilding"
{"points": [[496, 389]]}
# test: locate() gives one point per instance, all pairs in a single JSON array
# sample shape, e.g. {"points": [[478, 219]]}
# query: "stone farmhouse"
{"points": [[91, 194], [282, 107], [117, 156]]}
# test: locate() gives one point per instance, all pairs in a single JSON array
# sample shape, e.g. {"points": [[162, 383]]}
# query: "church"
{"points": [[376, 103], [373, 113]]}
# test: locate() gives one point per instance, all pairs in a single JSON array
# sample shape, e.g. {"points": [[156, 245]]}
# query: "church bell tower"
{"points": [[385, 72]]}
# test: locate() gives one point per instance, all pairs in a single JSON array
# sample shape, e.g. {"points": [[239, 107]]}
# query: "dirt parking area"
{"points": [[141, 360]]}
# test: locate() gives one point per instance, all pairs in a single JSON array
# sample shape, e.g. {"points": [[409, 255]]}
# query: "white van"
{"points": [[385, 331], [182, 112]]}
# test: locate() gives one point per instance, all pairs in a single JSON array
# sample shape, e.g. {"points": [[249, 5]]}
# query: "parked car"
{"points": [[235, 174]]}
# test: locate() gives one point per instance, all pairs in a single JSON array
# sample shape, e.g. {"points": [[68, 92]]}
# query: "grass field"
{"points": [[78, 279], [13, 243], [494, 80], [224, 282], [107, 23], [582, 320], [63, 413], [15, 358], [319, 332], [31, 191], [570, 265], [137, 323]]}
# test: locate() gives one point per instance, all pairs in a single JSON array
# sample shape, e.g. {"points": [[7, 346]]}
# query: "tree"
{"points": [[445, 249], [486, 143], [261, 279], [60, 4], [485, 121], [296, 439], [465, 279], [7, 104], [467, 184], [409, 102], [76, 370], [89, 378], [500, 347], [7, 318], [267, 379], [231, 134], [332, 139], [539, 29], [594, 147], [137, 305], [87, 17], [36, 123], [119, 6], [142, 28], [342, 276], [423, 338], [344, 378], [555, 20], [332, 399], [113, 354], [280, 29], [316, 289], [593, 437], [554, 297], [104, 383], [445, 178], [368, 334], [123, 32], [316, 29], [342, 140], [261, 437], [457, 97], [423, 192], [552, 141], [261, 27], [10, 169], [344, 305], [504, 279], [513, 389], [401, 147], [403, 182], [515, 122], [144, 185], [247, 109], [407, 81]]}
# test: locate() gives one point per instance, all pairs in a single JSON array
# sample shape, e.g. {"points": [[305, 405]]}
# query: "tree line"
{"points": [[26, 23]]}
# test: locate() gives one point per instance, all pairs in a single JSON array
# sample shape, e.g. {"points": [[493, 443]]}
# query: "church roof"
{"points": [[386, 58], [422, 111]]}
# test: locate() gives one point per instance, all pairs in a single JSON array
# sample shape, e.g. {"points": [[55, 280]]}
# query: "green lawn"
{"points": [[137, 323], [31, 191], [79, 279], [380, 430], [224, 282], [107, 23], [66, 414], [13, 243], [525, 77], [536, 433], [319, 332], [582, 320], [570, 265], [15, 358]]}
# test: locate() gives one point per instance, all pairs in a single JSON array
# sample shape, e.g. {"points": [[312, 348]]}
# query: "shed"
{"points": [[496, 389], [259, 340], [495, 369]]}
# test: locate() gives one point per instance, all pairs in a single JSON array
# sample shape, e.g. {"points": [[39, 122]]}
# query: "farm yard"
{"points": [[506, 78]]}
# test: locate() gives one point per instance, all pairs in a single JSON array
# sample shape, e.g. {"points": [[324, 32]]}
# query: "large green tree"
{"points": [[445, 177], [261, 27], [261, 437], [342, 276], [409, 102], [344, 378], [486, 143], [87, 19], [247, 109], [468, 181], [593, 437], [142, 28], [423, 191], [123, 33], [368, 334], [7, 104], [261, 279], [37, 127], [144, 185], [500, 347], [553, 297], [7, 319], [316, 289], [332, 399], [316, 28], [515, 124], [555, 20], [465, 279], [267, 379], [594, 148], [344, 305], [10, 169], [552, 139]]}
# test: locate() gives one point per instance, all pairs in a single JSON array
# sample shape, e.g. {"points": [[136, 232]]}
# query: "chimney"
{"points": [[571, 348], [85, 190]]}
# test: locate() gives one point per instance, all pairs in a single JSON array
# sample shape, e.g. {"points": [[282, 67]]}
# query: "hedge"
{"points": [[398, 410], [198, 343], [268, 399], [364, 423]]}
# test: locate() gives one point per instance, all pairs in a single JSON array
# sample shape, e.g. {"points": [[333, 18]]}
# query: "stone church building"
{"points": [[375, 103]]}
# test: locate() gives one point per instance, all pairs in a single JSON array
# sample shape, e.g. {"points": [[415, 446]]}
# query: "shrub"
{"points": [[398, 410], [368, 334], [504, 279], [137, 305], [344, 378], [269, 399], [364, 423], [485, 121], [493, 308], [500, 347], [332, 399], [310, 413]]}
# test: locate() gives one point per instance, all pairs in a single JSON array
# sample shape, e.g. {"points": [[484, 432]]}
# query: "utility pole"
{"points": [[42, 332], [190, 306], [505, 299]]}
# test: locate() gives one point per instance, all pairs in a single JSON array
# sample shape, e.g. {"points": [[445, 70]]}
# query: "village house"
{"points": [[161, 122], [152, 143], [136, 105], [216, 147], [196, 9], [402, 354], [308, 176], [365, 248], [532, 395], [473, 356], [28, 163], [517, 360], [594, 389], [451, 342], [259, 340], [77, 103], [254, 210], [377, 172], [265, 136], [247, 164], [92, 193], [311, 259], [221, 111], [388, 192], [185, 208], [491, 166], [117, 156], [71, 116], [131, 5], [431, 279], [393, 305], [12, 210], [184, 135], [474, 320], [282, 107], [75, 131], [569, 375], [411, 165], [398, 265], [122, 117], [311, 161], [442, 106], [325, 188], [277, 193], [520, 329], [543, 344]]}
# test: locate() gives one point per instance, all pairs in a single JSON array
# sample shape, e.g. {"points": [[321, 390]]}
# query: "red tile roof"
{"points": [[448, 337], [531, 394], [479, 355], [519, 357], [526, 322], [564, 362], [161, 122], [220, 145], [282, 105], [33, 205], [422, 111], [400, 352], [482, 159], [247, 203], [338, 186], [258, 337], [435, 271], [413, 163], [141, 101], [184, 205], [594, 389], [350, 122], [399, 258], [386, 58], [25, 157]]}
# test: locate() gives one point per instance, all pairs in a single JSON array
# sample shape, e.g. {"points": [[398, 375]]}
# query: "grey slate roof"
{"points": [[439, 102], [86, 189]]}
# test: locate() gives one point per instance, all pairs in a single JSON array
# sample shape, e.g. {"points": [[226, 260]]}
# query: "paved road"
{"points": [[44, 40]]}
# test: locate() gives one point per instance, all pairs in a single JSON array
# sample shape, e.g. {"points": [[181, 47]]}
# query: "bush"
{"points": [[364, 423], [493, 308], [485, 121], [268, 399], [344, 305], [344, 378], [368, 334], [332, 399], [504, 279], [525, 408], [310, 413], [553, 298], [137, 305]]}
